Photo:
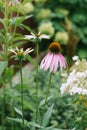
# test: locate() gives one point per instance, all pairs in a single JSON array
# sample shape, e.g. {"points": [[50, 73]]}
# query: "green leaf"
{"points": [[28, 16], [2, 21], [2, 37], [47, 116], [30, 59], [18, 111], [35, 124], [26, 123], [48, 128], [43, 101], [3, 65], [9, 73], [19, 43], [18, 20], [26, 27], [19, 120]]}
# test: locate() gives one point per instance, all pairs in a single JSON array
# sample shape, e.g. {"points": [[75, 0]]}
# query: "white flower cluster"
{"points": [[44, 14], [47, 28], [27, 8], [76, 81], [61, 37]]}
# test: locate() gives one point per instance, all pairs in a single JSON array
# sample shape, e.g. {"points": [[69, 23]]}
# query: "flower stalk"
{"points": [[37, 60], [5, 58], [48, 89], [20, 55], [22, 98], [3, 108]]}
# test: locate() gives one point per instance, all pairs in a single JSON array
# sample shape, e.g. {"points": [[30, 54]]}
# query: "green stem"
{"points": [[12, 114], [46, 98], [22, 92], [3, 108], [5, 59], [37, 58], [6, 30]]}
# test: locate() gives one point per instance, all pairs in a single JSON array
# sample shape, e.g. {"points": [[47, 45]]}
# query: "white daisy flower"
{"points": [[35, 36], [20, 52]]}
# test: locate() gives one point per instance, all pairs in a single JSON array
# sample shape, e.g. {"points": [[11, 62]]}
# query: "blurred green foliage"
{"points": [[65, 22], [63, 112], [65, 16]]}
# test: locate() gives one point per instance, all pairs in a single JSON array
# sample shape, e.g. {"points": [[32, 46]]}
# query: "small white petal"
{"points": [[32, 34], [28, 51], [44, 36], [75, 58], [17, 49], [12, 50], [29, 36]]}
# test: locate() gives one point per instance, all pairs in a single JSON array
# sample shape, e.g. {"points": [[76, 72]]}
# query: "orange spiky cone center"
{"points": [[55, 47]]}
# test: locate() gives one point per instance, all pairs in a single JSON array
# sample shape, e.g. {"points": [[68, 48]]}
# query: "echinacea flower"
{"points": [[20, 52], [53, 59], [35, 36]]}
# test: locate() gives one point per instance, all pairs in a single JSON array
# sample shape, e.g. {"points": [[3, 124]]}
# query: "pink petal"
{"points": [[56, 64], [45, 61], [63, 61], [48, 63], [53, 64]]}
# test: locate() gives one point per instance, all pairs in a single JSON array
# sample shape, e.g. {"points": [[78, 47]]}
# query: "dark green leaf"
{"points": [[47, 116], [3, 65], [18, 111]]}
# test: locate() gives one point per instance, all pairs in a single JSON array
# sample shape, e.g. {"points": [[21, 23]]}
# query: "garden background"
{"points": [[65, 22]]}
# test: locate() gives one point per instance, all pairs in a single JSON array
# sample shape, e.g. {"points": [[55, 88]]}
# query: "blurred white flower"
{"points": [[27, 8], [61, 37], [76, 82], [43, 14], [35, 36], [47, 28], [77, 63], [75, 58]]}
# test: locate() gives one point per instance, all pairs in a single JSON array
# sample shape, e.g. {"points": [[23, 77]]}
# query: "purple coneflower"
{"points": [[53, 59]]}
